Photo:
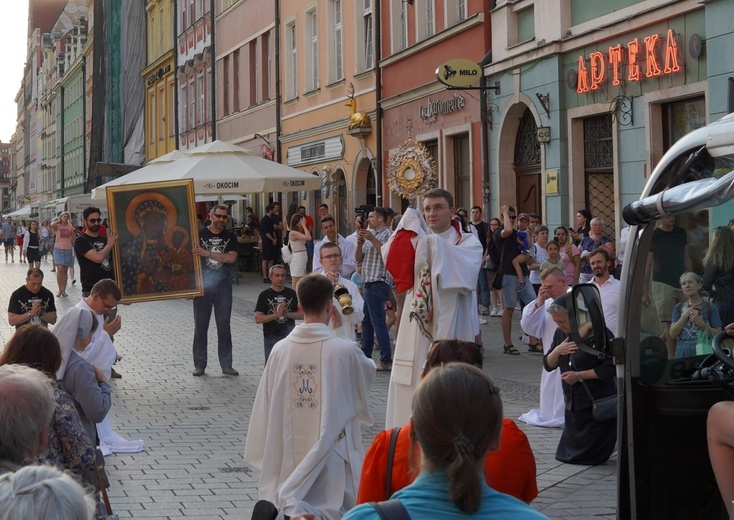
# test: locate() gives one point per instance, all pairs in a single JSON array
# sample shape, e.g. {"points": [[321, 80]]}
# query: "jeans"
{"points": [[375, 321], [484, 288], [269, 344], [218, 297]]}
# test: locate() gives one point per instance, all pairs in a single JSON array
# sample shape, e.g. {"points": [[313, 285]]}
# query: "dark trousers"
{"points": [[375, 321], [219, 298]]}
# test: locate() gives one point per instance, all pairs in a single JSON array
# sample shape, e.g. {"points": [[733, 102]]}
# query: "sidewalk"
{"points": [[194, 427]]}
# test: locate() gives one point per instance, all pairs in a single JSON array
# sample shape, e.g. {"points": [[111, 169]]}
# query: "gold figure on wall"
{"points": [[356, 119]]}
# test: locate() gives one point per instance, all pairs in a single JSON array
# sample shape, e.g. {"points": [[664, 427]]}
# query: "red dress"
{"points": [[513, 465]]}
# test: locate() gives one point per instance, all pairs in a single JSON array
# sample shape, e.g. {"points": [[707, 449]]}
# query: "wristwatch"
{"points": [[578, 374]]}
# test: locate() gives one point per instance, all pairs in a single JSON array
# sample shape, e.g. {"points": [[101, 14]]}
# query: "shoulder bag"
{"points": [[603, 408], [287, 253]]}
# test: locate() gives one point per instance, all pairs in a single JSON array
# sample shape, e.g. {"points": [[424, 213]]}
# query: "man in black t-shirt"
{"points": [[505, 238], [480, 226], [93, 251], [277, 309], [217, 248], [32, 304]]}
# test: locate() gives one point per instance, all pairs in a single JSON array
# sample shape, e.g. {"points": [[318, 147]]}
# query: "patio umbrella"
{"points": [[22, 212], [220, 168]]}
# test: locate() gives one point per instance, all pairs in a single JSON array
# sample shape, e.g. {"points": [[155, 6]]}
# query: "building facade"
{"points": [[5, 169], [246, 89], [607, 88], [328, 102], [195, 73], [416, 39], [160, 77]]}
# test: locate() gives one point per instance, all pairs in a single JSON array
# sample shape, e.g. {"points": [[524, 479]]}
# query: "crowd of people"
{"points": [[416, 287]]}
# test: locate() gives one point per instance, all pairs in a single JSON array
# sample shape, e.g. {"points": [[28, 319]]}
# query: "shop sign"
{"points": [[657, 63], [435, 108], [458, 73], [316, 151]]}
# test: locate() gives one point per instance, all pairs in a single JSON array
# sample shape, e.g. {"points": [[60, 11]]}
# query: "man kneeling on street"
{"points": [[305, 429]]}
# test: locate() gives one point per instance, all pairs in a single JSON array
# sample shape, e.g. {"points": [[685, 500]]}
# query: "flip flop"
{"points": [[511, 350], [535, 348]]}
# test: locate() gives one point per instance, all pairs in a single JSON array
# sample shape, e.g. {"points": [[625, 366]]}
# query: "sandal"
{"points": [[535, 347], [511, 350]]}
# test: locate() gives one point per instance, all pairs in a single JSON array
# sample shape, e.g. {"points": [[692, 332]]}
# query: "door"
{"points": [[527, 166]]}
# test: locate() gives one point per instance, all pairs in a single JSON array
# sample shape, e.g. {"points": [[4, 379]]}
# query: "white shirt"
{"points": [[349, 264], [349, 321], [609, 292]]}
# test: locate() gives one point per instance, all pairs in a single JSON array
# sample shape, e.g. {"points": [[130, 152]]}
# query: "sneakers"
{"points": [[483, 310], [198, 372], [230, 372], [482, 321], [496, 311]]}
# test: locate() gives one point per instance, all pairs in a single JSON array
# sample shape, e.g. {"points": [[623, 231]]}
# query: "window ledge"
{"points": [[336, 83], [312, 92]]}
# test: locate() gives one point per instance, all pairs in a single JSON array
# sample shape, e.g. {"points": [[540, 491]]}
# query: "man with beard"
{"points": [[93, 251], [601, 265], [218, 249]]}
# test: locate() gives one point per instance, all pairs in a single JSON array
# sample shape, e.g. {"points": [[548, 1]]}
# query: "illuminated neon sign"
{"points": [[592, 77]]}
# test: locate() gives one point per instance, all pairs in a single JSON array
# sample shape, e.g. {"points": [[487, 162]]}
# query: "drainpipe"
{"points": [[176, 126], [378, 107], [483, 106], [214, 73], [277, 81]]}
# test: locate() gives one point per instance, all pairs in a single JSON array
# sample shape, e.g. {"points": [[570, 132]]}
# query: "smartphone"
{"points": [[111, 315]]}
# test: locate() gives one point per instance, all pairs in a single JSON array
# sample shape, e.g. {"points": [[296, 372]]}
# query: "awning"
{"points": [[22, 212]]}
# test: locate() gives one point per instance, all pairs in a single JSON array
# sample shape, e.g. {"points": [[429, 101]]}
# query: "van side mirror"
{"points": [[588, 328]]}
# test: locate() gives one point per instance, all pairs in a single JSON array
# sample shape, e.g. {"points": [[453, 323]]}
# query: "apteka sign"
{"points": [[592, 76]]}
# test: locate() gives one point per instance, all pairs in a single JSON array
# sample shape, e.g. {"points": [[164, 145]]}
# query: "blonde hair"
{"points": [[721, 251]]}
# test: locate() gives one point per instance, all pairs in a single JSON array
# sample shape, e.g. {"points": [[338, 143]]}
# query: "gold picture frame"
{"points": [[157, 226]]}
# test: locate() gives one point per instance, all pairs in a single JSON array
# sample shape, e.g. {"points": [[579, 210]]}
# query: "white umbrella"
{"points": [[220, 168], [22, 212]]}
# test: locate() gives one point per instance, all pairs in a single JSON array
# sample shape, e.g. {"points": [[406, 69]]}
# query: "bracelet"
{"points": [[578, 374]]}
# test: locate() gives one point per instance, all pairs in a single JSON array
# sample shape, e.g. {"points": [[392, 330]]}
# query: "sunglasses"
{"points": [[94, 220], [513, 217]]}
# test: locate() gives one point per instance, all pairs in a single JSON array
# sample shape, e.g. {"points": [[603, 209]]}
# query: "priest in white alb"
{"points": [[436, 262], [537, 322], [305, 432], [344, 321]]}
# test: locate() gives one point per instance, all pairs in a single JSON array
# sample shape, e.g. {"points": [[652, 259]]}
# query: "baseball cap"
{"points": [[523, 216], [390, 212]]}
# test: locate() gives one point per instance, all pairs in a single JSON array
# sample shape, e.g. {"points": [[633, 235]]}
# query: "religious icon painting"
{"points": [[156, 223]]}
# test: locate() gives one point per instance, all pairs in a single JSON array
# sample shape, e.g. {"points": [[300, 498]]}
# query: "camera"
{"points": [[363, 212]]}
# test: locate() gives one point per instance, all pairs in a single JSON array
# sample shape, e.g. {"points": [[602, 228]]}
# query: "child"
{"points": [[554, 257], [525, 247]]}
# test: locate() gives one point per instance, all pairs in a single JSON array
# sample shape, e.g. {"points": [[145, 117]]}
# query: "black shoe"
{"points": [[265, 280], [114, 374], [264, 510], [198, 372]]}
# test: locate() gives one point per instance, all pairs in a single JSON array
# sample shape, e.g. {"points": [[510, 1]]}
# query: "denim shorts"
{"points": [[509, 284], [63, 257]]}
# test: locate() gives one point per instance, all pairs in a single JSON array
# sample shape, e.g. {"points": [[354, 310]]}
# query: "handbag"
{"points": [[287, 253], [703, 340], [603, 408], [102, 485]]}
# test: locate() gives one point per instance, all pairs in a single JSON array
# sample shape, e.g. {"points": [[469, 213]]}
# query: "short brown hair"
{"points": [[440, 193], [107, 287], [314, 293]]}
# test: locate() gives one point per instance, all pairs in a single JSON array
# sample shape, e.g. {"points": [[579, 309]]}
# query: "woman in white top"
{"points": [[297, 239]]}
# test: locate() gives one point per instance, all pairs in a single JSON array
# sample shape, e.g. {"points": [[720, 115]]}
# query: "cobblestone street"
{"points": [[194, 427]]}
